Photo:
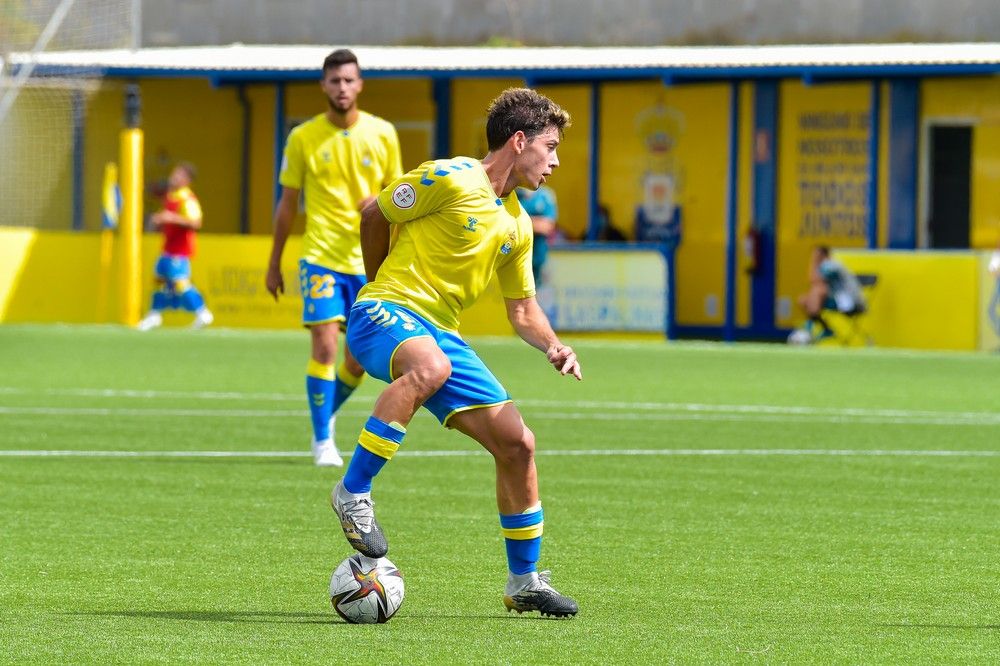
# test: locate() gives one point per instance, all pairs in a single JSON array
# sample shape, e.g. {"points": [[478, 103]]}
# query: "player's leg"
{"points": [[320, 382], [813, 303], [349, 372], [501, 431], [322, 313], [474, 402], [162, 297], [397, 348]]}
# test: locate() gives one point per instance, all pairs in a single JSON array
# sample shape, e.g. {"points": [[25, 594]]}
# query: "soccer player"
{"points": [[340, 159], [454, 224], [178, 220]]}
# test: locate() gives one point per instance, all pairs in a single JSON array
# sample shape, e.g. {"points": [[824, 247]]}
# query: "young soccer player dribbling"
{"points": [[340, 159], [456, 224]]}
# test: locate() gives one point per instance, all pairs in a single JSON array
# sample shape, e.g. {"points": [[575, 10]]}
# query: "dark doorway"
{"points": [[951, 165]]}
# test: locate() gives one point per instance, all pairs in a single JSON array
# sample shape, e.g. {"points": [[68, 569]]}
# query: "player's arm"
{"points": [[404, 200], [169, 217], [284, 217], [530, 322], [542, 224], [374, 238]]}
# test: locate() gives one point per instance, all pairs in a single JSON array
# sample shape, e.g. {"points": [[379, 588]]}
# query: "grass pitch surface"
{"points": [[704, 503]]}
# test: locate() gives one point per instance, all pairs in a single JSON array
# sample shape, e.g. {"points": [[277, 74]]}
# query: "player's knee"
{"points": [[518, 449], [431, 375]]}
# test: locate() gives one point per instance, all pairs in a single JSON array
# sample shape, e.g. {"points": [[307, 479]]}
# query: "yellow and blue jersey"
{"points": [[336, 169], [453, 234]]}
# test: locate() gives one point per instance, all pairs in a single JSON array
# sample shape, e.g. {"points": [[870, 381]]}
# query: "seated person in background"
{"points": [[541, 206], [831, 287]]}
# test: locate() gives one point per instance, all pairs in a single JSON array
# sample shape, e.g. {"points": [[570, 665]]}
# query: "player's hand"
{"points": [[275, 283], [156, 219], [364, 202], [563, 358]]}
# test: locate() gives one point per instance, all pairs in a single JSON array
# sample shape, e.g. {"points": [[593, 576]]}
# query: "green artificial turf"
{"points": [[704, 503]]}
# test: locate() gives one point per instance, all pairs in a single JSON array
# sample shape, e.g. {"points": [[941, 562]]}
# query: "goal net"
{"points": [[43, 109]]}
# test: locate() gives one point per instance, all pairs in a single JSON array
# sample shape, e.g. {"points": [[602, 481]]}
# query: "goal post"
{"points": [[45, 123]]}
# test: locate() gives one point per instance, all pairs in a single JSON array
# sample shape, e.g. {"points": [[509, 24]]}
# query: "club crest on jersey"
{"points": [[366, 160], [509, 243], [404, 196], [470, 224]]}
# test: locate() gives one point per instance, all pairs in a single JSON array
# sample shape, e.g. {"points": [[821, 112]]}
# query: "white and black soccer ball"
{"points": [[364, 590]]}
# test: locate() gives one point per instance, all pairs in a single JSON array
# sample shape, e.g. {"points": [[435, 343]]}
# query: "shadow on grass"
{"points": [[269, 617], [274, 617]]}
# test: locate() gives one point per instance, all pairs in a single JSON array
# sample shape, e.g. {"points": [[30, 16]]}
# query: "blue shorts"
{"points": [[326, 294], [375, 331], [174, 270]]}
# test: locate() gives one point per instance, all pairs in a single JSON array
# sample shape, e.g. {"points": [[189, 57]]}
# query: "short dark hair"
{"points": [[190, 169], [339, 58], [824, 250], [525, 110]]}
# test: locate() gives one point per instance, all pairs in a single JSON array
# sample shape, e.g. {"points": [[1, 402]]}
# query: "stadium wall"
{"points": [[678, 134]]}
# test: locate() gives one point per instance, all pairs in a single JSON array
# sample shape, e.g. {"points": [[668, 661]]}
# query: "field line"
{"points": [[794, 415], [639, 406], [465, 453]]}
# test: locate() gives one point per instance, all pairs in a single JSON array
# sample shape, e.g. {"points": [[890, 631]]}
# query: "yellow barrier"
{"points": [[923, 300], [57, 277]]}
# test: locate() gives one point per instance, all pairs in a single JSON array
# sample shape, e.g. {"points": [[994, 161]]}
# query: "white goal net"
{"points": [[43, 109]]}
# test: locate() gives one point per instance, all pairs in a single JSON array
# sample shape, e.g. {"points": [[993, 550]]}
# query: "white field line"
{"points": [[900, 453], [597, 410], [741, 415]]}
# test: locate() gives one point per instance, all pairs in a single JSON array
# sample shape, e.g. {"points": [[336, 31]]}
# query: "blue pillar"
{"points": [[595, 159], [765, 172], [904, 124], [442, 119], [279, 137], [729, 326], [874, 138]]}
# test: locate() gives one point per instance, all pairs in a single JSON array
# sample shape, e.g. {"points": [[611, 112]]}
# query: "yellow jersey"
{"points": [[335, 169], [453, 233]]}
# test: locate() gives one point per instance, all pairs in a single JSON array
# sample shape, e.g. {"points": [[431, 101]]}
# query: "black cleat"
{"points": [[542, 597], [357, 518]]}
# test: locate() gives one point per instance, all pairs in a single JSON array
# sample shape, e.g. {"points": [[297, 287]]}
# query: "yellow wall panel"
{"points": [[681, 134], [822, 195], [923, 300], [571, 181], [188, 119]]}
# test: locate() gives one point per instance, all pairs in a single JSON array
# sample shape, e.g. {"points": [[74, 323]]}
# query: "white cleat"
{"points": [[325, 454], [152, 320], [202, 318]]}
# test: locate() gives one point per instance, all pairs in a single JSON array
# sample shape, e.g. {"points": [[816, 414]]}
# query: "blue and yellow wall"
{"points": [[796, 163]]}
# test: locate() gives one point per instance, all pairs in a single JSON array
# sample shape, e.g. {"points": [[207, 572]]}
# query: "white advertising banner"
{"points": [[599, 289]]}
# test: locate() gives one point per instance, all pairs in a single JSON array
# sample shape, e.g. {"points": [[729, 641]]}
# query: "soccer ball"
{"points": [[365, 590]]}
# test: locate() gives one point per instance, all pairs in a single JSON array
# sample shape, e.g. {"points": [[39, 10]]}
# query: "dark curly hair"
{"points": [[525, 110], [338, 58]]}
